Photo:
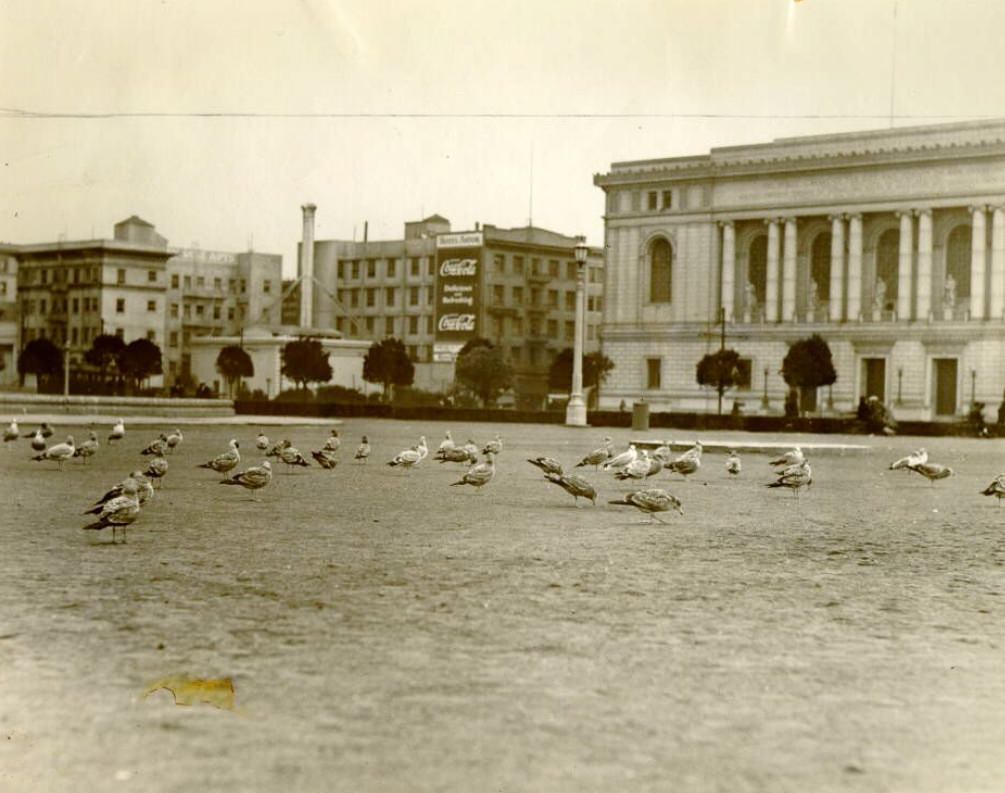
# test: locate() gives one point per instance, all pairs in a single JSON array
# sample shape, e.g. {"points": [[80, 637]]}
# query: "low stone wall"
{"points": [[14, 404]]}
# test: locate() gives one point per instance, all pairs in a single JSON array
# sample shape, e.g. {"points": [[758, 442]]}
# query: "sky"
{"points": [[216, 119]]}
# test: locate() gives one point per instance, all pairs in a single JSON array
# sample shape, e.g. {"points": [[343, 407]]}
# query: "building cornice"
{"points": [[928, 333]]}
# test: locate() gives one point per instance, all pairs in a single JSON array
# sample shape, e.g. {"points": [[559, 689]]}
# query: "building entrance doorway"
{"points": [[874, 378], [944, 385]]}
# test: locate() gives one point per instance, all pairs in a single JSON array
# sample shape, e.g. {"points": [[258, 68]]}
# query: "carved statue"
{"points": [[879, 299], [750, 296], [814, 294], [949, 293]]}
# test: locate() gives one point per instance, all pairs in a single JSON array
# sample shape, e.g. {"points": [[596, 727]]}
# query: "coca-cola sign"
{"points": [[459, 267], [458, 257], [461, 323]]}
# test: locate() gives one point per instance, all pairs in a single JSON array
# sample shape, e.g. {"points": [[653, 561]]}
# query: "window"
{"points": [[413, 295], [570, 301], [553, 298], [390, 296], [430, 293], [518, 326], [244, 286], [413, 325], [654, 368], [199, 310], [570, 331], [430, 267], [369, 324], [216, 312], [120, 305], [75, 305], [498, 294], [570, 271], [497, 326], [498, 263], [553, 328], [120, 276], [354, 294], [152, 335], [535, 267], [174, 310], [230, 312], [744, 368], [518, 294], [371, 268], [174, 281], [173, 338], [120, 332], [414, 266], [151, 276], [553, 268], [392, 268], [267, 286], [514, 354], [668, 199], [188, 311], [660, 271], [200, 281], [652, 200], [518, 265], [232, 285], [355, 269], [371, 296], [535, 297], [73, 335], [389, 326]]}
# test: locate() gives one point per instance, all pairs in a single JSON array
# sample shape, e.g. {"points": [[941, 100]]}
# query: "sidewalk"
{"points": [[29, 421]]}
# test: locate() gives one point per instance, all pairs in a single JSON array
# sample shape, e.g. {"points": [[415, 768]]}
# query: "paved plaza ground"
{"points": [[387, 632]]}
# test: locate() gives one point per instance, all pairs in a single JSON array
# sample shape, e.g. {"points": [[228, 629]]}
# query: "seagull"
{"points": [[996, 488], [262, 441], [157, 448], [117, 512], [636, 469], [651, 501], [622, 460], [277, 448], [917, 457], [118, 431], [37, 441], [932, 471], [547, 464], [156, 468], [478, 475], [794, 477], [88, 448], [59, 452], [446, 443], [326, 458], [663, 453], [363, 450], [793, 457], [144, 488], [655, 466], [406, 458], [688, 462], [733, 463], [173, 439], [597, 456], [422, 449], [573, 484], [254, 478], [333, 443], [472, 449], [494, 446], [457, 455], [292, 457], [227, 461], [44, 430], [12, 433]]}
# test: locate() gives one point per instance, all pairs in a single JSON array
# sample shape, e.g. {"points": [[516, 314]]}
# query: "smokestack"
{"points": [[366, 229], [307, 268]]}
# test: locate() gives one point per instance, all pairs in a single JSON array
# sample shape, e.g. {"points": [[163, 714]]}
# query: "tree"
{"points": [[233, 363], [104, 353], [484, 371], [387, 363], [596, 367], [477, 341], [719, 370], [305, 361], [39, 357], [808, 364], [139, 360]]}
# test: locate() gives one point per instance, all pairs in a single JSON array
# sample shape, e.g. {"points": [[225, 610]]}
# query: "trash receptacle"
{"points": [[640, 417]]}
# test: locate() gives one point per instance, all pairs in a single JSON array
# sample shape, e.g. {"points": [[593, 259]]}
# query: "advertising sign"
{"points": [[458, 260]]}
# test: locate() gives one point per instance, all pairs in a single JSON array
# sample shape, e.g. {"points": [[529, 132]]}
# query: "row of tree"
{"points": [[109, 355], [808, 365]]}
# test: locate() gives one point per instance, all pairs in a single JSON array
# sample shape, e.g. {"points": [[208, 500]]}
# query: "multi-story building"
{"points": [[136, 286], [889, 244], [8, 314], [526, 296]]}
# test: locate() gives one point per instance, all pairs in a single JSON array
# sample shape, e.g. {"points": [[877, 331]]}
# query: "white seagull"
{"points": [[262, 441], [733, 463], [60, 452], [478, 475], [38, 441], [636, 469], [118, 431], [917, 457], [622, 460], [88, 448], [12, 433], [597, 456], [117, 512], [254, 478], [173, 439], [156, 469], [688, 463], [795, 477], [363, 450], [333, 443], [446, 443], [227, 461], [793, 457], [494, 446]]}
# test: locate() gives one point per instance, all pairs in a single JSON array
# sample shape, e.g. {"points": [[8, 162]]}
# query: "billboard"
{"points": [[458, 280]]}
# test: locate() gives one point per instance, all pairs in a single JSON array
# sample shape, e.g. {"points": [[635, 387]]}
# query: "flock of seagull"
{"points": [[120, 506]]}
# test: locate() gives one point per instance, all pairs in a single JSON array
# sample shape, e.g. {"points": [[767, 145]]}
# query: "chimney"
{"points": [[478, 226], [307, 268], [366, 230]]}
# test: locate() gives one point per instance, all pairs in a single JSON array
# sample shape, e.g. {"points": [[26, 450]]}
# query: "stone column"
{"points": [[978, 261], [924, 309], [854, 267], [728, 267], [837, 268], [904, 265], [771, 286], [789, 272], [997, 263]]}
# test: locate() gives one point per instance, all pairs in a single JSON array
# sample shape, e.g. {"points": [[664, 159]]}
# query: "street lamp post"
{"points": [[575, 411]]}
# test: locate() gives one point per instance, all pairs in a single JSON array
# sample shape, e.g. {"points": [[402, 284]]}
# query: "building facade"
{"points": [[889, 244], [9, 340], [136, 286], [526, 304]]}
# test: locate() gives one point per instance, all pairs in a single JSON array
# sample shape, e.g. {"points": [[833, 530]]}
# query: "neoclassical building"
{"points": [[890, 244]]}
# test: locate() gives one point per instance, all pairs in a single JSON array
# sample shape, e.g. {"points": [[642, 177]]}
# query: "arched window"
{"points": [[660, 272], [820, 266], [887, 266], [757, 267], [958, 253]]}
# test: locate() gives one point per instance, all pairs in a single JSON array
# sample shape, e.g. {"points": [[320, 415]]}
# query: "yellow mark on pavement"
{"points": [[192, 691]]}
